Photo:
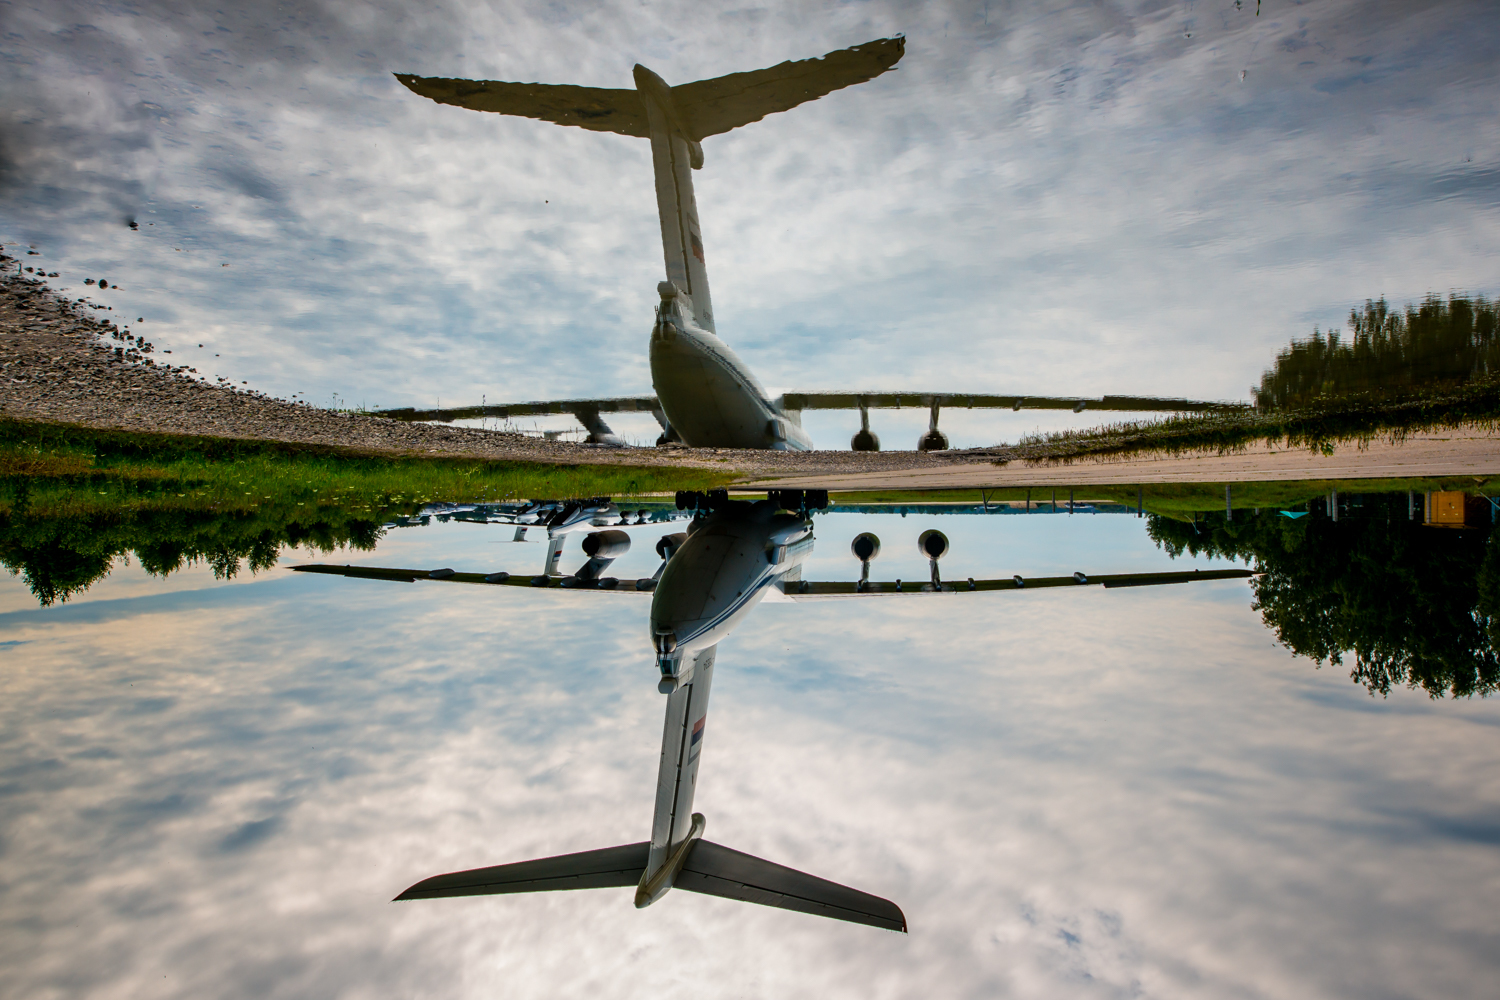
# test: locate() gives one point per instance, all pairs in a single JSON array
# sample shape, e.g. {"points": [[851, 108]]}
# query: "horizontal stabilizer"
{"points": [[727, 102], [612, 867], [719, 871], [709, 107], [593, 108], [710, 869]]}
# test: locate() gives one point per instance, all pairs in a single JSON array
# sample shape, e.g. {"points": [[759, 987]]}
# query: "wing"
{"points": [[797, 590], [593, 108], [812, 590], [836, 400], [978, 400], [577, 407], [710, 107], [643, 585]]}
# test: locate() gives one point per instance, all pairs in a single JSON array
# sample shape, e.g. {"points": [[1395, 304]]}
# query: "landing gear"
{"points": [[705, 502], [799, 500], [795, 500]]}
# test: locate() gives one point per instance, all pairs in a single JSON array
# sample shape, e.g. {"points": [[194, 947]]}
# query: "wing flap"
{"points": [[593, 108], [727, 102], [611, 867], [715, 870]]}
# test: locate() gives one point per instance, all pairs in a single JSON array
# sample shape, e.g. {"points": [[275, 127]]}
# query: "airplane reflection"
{"points": [[734, 554]]}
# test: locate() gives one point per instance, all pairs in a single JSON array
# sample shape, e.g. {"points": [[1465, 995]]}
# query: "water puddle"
{"points": [[1047, 776]]}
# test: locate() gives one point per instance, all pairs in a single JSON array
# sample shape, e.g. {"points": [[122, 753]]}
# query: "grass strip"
{"points": [[70, 470]]}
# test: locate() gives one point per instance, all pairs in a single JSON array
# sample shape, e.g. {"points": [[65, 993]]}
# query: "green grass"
{"points": [[1172, 499], [69, 470]]}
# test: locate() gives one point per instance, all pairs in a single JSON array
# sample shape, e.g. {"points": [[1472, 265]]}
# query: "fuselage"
{"points": [[709, 396], [728, 563]]}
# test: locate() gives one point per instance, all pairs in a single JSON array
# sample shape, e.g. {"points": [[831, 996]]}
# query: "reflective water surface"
{"points": [[217, 785]]}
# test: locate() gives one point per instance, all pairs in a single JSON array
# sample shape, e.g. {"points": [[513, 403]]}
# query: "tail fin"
{"points": [[709, 869]]}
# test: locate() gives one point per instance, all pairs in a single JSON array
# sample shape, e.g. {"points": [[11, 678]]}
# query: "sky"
{"points": [[215, 787], [1119, 197]]}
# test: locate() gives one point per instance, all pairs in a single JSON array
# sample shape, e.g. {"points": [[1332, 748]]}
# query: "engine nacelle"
{"points": [[933, 440], [668, 544], [865, 440], [610, 544], [865, 547], [932, 544]]}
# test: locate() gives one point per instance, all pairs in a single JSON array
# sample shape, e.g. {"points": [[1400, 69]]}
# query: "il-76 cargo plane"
{"points": [[734, 554], [705, 395]]}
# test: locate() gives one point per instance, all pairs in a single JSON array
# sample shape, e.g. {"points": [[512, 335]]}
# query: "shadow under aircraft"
{"points": [[733, 554], [706, 396]]}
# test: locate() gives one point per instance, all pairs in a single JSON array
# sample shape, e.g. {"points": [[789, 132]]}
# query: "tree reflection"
{"points": [[60, 556], [1390, 354], [1415, 605]]}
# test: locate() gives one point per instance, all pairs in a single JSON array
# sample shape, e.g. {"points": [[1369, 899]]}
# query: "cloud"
{"points": [[1038, 199], [1084, 793]]}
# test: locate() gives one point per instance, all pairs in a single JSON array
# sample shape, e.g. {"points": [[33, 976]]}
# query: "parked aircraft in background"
{"points": [[706, 396], [733, 554]]}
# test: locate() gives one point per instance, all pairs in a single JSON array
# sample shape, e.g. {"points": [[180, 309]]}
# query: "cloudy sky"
{"points": [[1134, 197], [213, 789]]}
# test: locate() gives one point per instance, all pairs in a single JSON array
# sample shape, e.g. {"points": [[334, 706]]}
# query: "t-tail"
{"points": [[676, 856], [676, 120]]}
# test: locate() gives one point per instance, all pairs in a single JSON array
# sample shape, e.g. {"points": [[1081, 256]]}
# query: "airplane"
{"points": [[705, 395], [734, 554]]}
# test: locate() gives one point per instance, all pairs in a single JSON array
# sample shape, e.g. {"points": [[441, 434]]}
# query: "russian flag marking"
{"points": [[697, 731]]}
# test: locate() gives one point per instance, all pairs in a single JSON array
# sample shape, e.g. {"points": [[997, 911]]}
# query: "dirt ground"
{"points": [[1456, 453]]}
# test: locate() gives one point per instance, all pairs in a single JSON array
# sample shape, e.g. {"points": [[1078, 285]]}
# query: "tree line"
{"points": [[1390, 353]]}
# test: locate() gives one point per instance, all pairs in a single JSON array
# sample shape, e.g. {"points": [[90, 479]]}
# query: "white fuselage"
{"points": [[728, 563], [730, 560], [709, 396]]}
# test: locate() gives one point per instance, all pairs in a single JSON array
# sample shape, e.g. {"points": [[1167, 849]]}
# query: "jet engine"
{"points": [[668, 544], [602, 548], [933, 440], [934, 545], [610, 544], [931, 544]]}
